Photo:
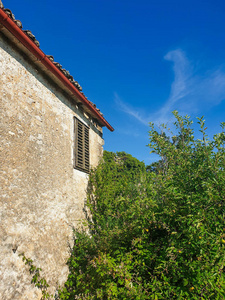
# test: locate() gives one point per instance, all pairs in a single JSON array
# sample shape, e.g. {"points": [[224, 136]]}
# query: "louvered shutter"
{"points": [[81, 148]]}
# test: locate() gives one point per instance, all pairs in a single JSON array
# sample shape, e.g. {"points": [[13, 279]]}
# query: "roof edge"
{"points": [[43, 58]]}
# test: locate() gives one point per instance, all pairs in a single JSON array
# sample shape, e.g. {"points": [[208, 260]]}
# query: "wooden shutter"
{"points": [[81, 149]]}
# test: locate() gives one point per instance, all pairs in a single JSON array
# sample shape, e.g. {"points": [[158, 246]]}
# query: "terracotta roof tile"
{"points": [[58, 65]]}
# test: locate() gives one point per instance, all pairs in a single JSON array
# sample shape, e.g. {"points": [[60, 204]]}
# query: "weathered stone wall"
{"points": [[42, 195]]}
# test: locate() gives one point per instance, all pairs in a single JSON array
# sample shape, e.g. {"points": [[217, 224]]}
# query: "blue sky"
{"points": [[137, 60]]}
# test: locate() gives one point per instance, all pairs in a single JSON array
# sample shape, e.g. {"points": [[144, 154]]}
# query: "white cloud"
{"points": [[190, 91], [130, 110], [182, 76]]}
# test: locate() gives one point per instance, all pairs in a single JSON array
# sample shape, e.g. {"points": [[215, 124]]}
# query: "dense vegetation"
{"points": [[155, 232]]}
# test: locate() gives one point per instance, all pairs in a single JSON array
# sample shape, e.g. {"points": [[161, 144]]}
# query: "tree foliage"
{"points": [[157, 233]]}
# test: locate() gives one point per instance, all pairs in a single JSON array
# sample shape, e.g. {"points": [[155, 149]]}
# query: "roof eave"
{"points": [[42, 57]]}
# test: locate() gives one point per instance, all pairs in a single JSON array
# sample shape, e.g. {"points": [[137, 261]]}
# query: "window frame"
{"points": [[81, 146]]}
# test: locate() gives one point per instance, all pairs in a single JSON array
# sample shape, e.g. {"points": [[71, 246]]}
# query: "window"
{"points": [[81, 149]]}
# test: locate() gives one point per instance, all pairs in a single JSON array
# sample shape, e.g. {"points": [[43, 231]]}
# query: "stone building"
{"points": [[51, 135]]}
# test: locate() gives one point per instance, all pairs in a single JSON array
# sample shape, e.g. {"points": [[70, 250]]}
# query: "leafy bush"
{"points": [[155, 233]]}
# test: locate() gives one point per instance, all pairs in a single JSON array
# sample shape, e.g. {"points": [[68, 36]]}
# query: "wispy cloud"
{"points": [[138, 115], [190, 91], [181, 85]]}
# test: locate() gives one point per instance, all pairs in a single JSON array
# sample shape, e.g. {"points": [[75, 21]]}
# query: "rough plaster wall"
{"points": [[42, 196]]}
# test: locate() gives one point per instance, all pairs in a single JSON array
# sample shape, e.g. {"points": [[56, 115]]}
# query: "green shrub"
{"points": [[157, 233]]}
